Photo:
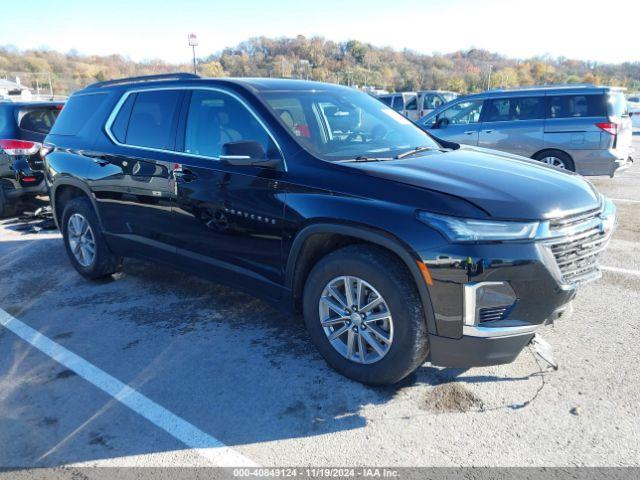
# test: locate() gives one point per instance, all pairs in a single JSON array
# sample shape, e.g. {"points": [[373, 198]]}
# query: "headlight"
{"points": [[472, 230]]}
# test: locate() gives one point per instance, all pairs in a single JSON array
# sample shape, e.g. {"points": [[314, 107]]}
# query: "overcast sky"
{"points": [[144, 29]]}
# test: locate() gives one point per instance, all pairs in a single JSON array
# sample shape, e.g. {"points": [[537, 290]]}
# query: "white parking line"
{"points": [[209, 447], [625, 200], [621, 270]]}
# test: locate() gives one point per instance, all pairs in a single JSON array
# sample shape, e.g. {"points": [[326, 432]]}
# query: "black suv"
{"points": [[396, 248], [23, 126]]}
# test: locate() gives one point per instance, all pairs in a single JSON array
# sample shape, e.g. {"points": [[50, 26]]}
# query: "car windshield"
{"points": [[340, 124]]}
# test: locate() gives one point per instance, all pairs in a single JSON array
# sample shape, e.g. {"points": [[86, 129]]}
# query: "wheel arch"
{"points": [[65, 190], [315, 241], [551, 149]]}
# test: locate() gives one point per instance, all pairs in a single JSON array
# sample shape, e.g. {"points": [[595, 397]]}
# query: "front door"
{"points": [[227, 220], [460, 123]]}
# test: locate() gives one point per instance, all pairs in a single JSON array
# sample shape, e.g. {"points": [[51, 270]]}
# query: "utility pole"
{"points": [[193, 43], [489, 80]]}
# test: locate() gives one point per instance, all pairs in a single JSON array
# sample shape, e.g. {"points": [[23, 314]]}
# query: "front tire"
{"points": [[381, 337], [83, 240]]}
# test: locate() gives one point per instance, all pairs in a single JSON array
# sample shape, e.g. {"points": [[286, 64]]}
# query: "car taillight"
{"points": [[28, 179], [45, 150], [609, 127], [19, 147]]}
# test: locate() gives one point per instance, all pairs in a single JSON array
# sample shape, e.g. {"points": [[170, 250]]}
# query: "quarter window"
{"points": [[569, 106], [215, 119], [152, 119]]}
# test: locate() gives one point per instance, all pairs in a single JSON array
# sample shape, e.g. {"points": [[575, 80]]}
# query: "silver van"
{"points": [[429, 100], [584, 128], [405, 103]]}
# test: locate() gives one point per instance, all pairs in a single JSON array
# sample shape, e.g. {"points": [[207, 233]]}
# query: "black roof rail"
{"points": [[145, 78]]}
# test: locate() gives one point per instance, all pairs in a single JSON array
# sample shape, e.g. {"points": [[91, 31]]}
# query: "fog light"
{"points": [[487, 301]]}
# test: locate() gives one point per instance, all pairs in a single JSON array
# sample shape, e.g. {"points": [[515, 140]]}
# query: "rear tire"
{"points": [[7, 208], [556, 158], [406, 346], [84, 242]]}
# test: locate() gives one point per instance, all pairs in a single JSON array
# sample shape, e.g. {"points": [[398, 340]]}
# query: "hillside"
{"points": [[351, 62]]}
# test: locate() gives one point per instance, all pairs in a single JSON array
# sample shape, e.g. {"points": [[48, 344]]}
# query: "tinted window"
{"points": [[498, 110], [215, 118], [528, 108], [120, 124], [77, 112], [515, 108], [386, 100], [152, 117], [412, 104], [569, 106], [462, 113], [7, 122], [398, 103], [39, 120]]}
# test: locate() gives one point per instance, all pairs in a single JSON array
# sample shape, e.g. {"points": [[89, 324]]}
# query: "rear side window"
{"points": [[77, 112], [617, 105], [498, 110], [152, 119], [7, 123], [515, 108], [385, 100], [38, 120], [571, 106]]}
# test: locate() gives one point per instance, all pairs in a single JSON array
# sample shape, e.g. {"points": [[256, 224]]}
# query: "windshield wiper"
{"points": [[413, 151], [364, 158]]}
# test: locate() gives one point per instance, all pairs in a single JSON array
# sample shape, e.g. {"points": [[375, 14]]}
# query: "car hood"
{"points": [[503, 185]]}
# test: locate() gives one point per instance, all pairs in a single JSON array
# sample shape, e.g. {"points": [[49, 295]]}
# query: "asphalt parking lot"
{"points": [[200, 375]]}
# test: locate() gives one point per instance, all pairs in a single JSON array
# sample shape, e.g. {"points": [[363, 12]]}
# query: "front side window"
{"points": [[151, 123], [431, 101], [570, 106], [412, 104], [341, 124], [461, 113], [215, 119]]}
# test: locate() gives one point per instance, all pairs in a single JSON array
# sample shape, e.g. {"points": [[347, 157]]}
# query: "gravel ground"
{"points": [[236, 369]]}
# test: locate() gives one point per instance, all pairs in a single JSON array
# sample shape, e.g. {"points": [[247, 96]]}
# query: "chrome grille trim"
{"points": [[576, 245]]}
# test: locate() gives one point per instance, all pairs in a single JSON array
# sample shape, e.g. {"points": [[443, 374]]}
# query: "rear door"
{"points": [[514, 125], [411, 107], [131, 183], [227, 220], [459, 123]]}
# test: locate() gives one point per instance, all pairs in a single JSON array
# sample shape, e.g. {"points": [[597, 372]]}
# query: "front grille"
{"points": [[492, 313], [577, 253]]}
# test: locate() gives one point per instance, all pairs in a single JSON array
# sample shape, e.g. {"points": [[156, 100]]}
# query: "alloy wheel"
{"points": [[81, 240], [554, 161], [356, 319]]}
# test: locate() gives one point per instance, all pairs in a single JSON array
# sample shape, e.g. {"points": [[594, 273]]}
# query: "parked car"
{"points": [[633, 102], [581, 128], [429, 100], [396, 247], [405, 103], [23, 126]]}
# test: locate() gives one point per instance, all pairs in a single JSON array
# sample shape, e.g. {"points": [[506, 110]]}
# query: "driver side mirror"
{"points": [[246, 153]]}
